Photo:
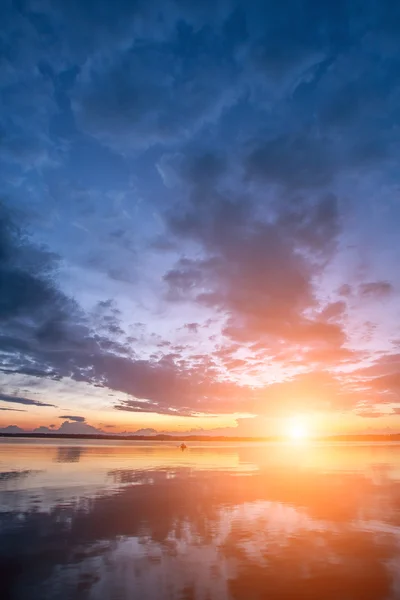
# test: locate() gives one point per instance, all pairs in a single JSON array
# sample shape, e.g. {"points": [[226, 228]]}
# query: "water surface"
{"points": [[117, 520]]}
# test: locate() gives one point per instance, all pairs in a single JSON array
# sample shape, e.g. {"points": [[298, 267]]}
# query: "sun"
{"points": [[297, 430]]}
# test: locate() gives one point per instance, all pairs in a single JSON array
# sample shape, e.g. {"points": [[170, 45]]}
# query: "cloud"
{"points": [[77, 428], [345, 290], [379, 289], [268, 309], [73, 418], [21, 400], [11, 429], [293, 161], [151, 93], [68, 428], [379, 383], [57, 342], [146, 431], [192, 327], [189, 70], [24, 273], [171, 387], [260, 274], [370, 414]]}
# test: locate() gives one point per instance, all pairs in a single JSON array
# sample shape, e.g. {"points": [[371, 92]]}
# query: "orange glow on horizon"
{"points": [[300, 426]]}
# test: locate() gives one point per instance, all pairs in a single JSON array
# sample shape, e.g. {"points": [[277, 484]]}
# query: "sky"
{"points": [[199, 216]]}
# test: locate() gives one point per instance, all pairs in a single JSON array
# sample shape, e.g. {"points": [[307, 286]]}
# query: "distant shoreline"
{"points": [[201, 438]]}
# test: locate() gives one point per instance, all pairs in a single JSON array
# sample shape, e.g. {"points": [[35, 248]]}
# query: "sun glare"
{"points": [[297, 430]]}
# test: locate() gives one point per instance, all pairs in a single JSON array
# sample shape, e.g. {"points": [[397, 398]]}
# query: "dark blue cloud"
{"points": [[156, 92], [73, 418], [21, 400]]}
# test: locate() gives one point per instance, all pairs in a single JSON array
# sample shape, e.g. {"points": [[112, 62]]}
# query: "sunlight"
{"points": [[297, 430]]}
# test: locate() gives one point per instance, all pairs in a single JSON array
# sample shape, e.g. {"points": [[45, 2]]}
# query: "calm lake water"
{"points": [[148, 521]]}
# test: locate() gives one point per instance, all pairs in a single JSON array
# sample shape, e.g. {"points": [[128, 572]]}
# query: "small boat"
{"points": [[183, 446]]}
